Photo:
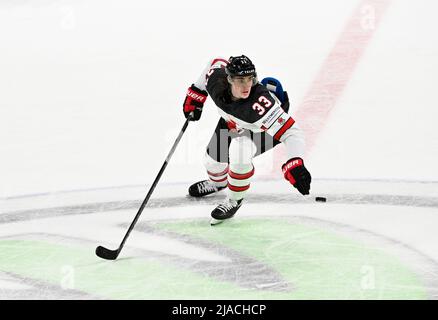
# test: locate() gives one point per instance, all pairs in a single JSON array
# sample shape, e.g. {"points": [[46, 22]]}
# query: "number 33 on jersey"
{"points": [[262, 106]]}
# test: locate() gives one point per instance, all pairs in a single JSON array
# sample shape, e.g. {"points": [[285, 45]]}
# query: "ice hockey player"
{"points": [[254, 119]]}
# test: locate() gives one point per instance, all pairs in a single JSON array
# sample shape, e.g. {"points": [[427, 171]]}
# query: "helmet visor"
{"points": [[243, 80]]}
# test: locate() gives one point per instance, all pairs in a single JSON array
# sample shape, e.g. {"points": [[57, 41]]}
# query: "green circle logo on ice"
{"points": [[249, 257]]}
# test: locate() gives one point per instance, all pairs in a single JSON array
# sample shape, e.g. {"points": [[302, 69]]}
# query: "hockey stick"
{"points": [[108, 254]]}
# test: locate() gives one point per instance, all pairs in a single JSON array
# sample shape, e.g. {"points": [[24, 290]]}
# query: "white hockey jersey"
{"points": [[260, 112]]}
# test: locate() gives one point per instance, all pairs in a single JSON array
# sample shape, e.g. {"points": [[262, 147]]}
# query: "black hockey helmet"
{"points": [[240, 66]]}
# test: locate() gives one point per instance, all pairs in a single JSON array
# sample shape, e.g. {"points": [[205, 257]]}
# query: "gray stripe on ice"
{"points": [[393, 200], [243, 271]]}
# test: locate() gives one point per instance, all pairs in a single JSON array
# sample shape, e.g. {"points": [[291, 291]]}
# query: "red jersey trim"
{"points": [[289, 123]]}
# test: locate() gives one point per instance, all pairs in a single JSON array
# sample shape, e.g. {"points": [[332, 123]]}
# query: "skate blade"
{"points": [[214, 221]]}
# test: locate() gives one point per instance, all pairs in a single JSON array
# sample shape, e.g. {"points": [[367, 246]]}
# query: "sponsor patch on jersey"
{"points": [[271, 117]]}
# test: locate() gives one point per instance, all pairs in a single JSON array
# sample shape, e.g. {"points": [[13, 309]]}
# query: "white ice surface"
{"points": [[91, 94]]}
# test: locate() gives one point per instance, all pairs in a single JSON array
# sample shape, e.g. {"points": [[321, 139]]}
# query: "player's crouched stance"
{"points": [[254, 119]]}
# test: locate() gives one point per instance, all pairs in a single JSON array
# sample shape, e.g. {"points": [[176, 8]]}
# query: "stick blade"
{"points": [[107, 254]]}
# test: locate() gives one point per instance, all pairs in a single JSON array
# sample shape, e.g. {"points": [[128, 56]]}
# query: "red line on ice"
{"points": [[336, 71]]}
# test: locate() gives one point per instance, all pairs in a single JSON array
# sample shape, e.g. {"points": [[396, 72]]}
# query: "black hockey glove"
{"points": [[295, 172], [194, 102]]}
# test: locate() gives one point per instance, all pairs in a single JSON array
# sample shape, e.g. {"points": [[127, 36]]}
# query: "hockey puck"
{"points": [[320, 199]]}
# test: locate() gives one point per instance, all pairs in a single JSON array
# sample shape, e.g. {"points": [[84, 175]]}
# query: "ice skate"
{"points": [[225, 210], [203, 188]]}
